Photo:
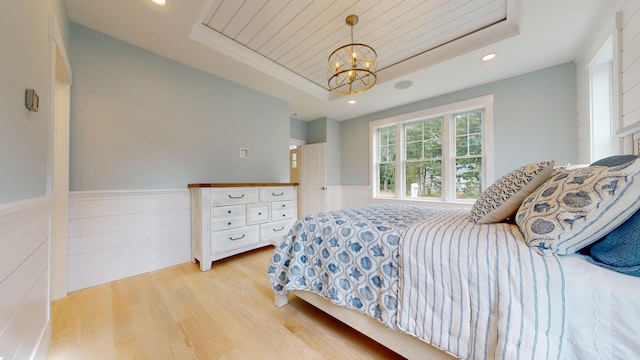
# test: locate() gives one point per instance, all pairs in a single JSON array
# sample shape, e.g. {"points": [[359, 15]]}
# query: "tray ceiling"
{"points": [[299, 35], [281, 47]]}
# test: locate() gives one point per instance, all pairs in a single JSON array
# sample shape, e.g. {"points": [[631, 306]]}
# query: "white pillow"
{"points": [[502, 198], [576, 207]]}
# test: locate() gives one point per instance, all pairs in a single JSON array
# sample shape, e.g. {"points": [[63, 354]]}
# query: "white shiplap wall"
{"points": [[24, 276], [117, 234], [623, 19], [630, 63]]}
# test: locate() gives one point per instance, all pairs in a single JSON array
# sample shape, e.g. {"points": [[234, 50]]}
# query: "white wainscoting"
{"points": [[341, 196], [354, 195], [24, 276], [117, 234], [630, 64]]}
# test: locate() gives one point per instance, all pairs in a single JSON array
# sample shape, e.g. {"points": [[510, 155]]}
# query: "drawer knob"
{"points": [[259, 213], [236, 197], [283, 205], [239, 238], [276, 230], [228, 211], [274, 194], [283, 215], [229, 223]]}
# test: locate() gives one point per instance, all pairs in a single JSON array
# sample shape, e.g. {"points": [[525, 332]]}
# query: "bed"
{"points": [[520, 275]]}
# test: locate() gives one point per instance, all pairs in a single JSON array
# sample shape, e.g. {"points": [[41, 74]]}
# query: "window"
{"points": [[603, 140], [438, 154], [387, 161]]}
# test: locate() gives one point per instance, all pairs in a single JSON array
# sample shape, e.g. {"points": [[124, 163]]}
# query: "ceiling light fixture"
{"points": [[159, 2], [489, 57], [351, 101], [352, 67]]}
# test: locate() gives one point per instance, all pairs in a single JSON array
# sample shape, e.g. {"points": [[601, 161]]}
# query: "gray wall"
{"points": [[298, 129], [534, 120], [24, 135], [334, 150], [142, 121], [327, 130], [317, 131]]}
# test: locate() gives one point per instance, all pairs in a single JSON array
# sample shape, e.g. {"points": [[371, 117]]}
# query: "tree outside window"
{"points": [[468, 155], [423, 154], [386, 161]]}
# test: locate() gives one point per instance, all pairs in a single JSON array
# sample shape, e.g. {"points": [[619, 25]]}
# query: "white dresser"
{"points": [[227, 219]]}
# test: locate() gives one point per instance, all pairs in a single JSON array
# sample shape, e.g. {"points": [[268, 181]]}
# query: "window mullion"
{"points": [[448, 158], [400, 161]]}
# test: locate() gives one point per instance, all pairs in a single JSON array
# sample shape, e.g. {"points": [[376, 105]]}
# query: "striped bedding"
{"points": [[478, 292], [474, 291]]}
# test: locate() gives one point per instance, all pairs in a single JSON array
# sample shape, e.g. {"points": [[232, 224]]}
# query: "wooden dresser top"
{"points": [[223, 185]]}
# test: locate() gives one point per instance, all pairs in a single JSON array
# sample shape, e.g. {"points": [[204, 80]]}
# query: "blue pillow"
{"points": [[619, 250], [615, 160]]}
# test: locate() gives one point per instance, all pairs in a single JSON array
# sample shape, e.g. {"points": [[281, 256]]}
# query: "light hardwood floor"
{"points": [[183, 313]]}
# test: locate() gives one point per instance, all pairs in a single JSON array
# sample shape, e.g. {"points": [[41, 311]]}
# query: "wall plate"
{"points": [[31, 100]]}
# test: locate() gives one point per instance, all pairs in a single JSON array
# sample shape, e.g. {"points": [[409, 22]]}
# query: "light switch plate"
{"points": [[244, 153], [31, 100]]}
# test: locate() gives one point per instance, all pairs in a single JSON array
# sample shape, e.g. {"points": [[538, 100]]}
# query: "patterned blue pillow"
{"points": [[502, 198], [619, 250], [575, 208]]}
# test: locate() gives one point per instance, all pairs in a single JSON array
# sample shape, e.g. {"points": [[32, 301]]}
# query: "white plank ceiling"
{"points": [[299, 35]]}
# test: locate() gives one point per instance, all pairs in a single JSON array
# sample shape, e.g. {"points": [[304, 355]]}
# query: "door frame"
{"points": [[58, 161], [298, 143]]}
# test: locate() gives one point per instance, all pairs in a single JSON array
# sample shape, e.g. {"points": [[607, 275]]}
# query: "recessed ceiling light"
{"points": [[159, 2], [489, 57], [351, 101]]}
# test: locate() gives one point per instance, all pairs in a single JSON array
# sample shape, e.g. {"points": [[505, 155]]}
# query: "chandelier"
{"points": [[352, 67]]}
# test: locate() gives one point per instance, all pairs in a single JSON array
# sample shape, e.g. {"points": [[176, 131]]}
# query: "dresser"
{"points": [[228, 219]]}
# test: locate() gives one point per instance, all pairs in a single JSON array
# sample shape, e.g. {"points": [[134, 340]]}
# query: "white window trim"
{"points": [[484, 103], [603, 141]]}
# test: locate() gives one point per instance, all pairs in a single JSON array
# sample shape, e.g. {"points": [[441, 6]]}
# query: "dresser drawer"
{"points": [[268, 194], [274, 230], [283, 205], [233, 239], [226, 223], [258, 213], [282, 214], [227, 211], [233, 196]]}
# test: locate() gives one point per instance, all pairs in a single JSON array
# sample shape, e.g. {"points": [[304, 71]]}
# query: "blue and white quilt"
{"points": [[474, 291], [349, 257]]}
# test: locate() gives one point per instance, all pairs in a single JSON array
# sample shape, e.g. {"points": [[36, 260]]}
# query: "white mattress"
{"points": [[603, 311]]}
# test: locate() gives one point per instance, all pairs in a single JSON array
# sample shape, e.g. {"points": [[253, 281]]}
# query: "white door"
{"points": [[313, 179]]}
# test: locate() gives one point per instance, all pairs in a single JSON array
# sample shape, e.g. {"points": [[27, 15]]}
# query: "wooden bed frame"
{"points": [[403, 344]]}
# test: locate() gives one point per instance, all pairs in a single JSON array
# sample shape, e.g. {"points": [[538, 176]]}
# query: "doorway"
{"points": [[294, 167], [307, 165]]}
